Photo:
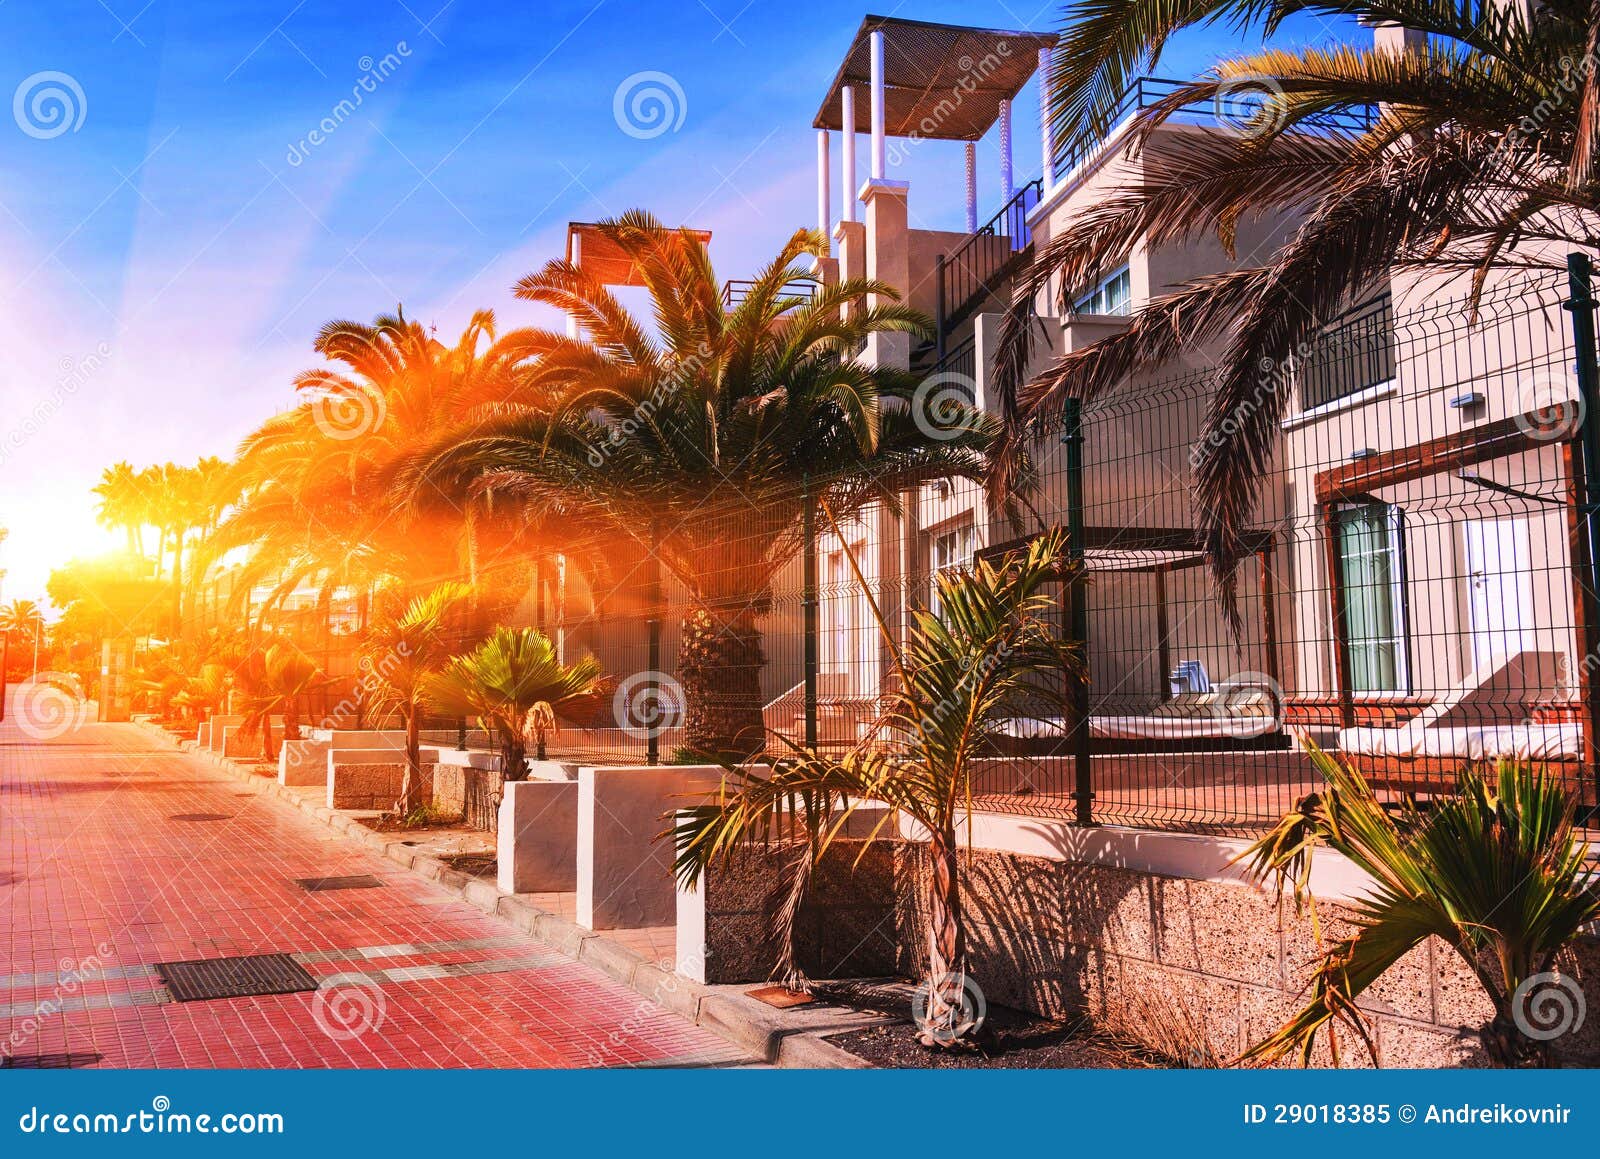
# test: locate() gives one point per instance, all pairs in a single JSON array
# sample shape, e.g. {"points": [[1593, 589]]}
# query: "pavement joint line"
{"points": [[743, 1022]]}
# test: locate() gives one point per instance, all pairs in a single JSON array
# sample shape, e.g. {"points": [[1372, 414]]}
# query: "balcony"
{"points": [[736, 290], [1233, 111]]}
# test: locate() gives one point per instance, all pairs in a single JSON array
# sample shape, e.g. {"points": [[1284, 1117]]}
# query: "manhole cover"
{"points": [[351, 881], [200, 817], [234, 977], [50, 1061]]}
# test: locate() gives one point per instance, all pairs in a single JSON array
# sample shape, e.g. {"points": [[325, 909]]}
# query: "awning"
{"points": [[596, 255], [941, 81]]}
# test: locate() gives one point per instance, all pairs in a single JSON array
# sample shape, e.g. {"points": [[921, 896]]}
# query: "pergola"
{"points": [[595, 254], [929, 82]]}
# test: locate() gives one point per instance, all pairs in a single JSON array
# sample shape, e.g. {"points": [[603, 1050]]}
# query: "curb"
{"points": [[769, 1035]]}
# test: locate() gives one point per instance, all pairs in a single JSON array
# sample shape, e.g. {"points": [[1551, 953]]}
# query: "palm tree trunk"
{"points": [[719, 667], [946, 943], [291, 718], [412, 781], [267, 749], [177, 584]]}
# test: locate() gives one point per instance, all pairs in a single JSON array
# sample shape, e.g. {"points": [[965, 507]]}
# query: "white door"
{"points": [[1499, 588]]}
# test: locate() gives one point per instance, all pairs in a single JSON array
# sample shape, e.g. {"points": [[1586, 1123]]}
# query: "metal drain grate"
{"points": [[51, 1061], [200, 817], [351, 881], [234, 977]]}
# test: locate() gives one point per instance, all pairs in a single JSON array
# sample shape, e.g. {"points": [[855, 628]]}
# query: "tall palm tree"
{"points": [[23, 617], [402, 650], [122, 504], [514, 682], [1497, 873], [992, 653], [693, 444], [313, 482], [1482, 155]]}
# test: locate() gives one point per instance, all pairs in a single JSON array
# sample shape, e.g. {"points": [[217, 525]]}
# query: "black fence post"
{"points": [[1581, 305], [652, 752], [1076, 595], [808, 605]]}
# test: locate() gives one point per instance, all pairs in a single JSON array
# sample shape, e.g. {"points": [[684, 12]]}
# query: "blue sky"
{"points": [[165, 263]]}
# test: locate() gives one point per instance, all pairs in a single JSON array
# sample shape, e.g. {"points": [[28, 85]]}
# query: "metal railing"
{"points": [[987, 258], [1237, 110], [736, 290]]}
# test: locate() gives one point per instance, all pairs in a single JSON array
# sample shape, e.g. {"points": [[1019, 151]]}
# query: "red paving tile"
{"points": [[97, 874]]}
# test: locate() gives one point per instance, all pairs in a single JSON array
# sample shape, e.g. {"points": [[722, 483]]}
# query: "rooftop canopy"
{"points": [[595, 254], [941, 81]]}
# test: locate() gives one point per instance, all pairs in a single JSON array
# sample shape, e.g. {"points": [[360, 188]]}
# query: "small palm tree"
{"points": [[402, 650], [992, 653], [515, 684], [206, 692], [275, 683], [1496, 873]]}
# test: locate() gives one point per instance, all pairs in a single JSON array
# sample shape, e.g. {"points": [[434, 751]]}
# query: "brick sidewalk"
{"points": [[116, 854]]}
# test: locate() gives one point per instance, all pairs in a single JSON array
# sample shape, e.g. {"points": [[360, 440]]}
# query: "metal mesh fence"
{"points": [[1411, 598]]}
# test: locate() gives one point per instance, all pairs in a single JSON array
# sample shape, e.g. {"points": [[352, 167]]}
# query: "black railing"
{"points": [[987, 258], [736, 290], [1241, 108]]}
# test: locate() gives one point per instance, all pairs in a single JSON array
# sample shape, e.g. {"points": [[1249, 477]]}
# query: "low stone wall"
{"points": [[471, 793], [372, 786], [846, 929], [1135, 950]]}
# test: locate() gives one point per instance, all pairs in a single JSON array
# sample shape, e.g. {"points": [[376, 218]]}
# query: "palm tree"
{"points": [[314, 481], [993, 653], [403, 648], [1482, 156], [206, 692], [275, 682], [694, 448], [25, 618], [1497, 873], [515, 684], [122, 504]]}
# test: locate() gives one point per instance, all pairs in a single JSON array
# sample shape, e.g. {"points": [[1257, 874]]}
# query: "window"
{"points": [[1112, 294], [1372, 574], [948, 550], [1353, 354]]}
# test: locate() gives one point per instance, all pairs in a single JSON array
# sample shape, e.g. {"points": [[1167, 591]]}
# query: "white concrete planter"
{"points": [[624, 874], [303, 762], [538, 837]]}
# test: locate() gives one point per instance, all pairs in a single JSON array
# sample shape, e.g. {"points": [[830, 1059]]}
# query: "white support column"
{"points": [[879, 155], [824, 212], [972, 187], [847, 109], [1046, 149], [577, 260], [1006, 183]]}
